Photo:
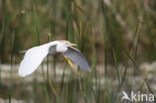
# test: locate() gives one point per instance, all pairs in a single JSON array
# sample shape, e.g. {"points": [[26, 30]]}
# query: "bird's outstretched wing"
{"points": [[32, 59], [77, 57]]}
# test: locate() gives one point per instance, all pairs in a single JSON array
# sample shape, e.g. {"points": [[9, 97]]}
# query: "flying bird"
{"points": [[34, 56]]}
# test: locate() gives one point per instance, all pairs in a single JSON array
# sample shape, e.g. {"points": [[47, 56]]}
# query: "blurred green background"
{"points": [[108, 32], [83, 22]]}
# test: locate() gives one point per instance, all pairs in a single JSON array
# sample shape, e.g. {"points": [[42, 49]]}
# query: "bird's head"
{"points": [[63, 45], [67, 43]]}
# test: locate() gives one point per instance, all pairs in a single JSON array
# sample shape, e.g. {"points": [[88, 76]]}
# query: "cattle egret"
{"points": [[34, 56]]}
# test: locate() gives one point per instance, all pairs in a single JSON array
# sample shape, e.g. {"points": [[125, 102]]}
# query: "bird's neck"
{"points": [[61, 48]]}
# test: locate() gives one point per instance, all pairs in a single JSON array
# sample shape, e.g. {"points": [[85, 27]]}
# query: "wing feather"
{"points": [[77, 57], [52, 50], [33, 58]]}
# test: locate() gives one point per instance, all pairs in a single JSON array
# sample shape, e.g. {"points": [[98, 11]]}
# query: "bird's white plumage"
{"points": [[61, 47], [33, 58]]}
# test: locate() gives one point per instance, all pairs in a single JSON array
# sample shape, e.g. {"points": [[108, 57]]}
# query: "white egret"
{"points": [[34, 56]]}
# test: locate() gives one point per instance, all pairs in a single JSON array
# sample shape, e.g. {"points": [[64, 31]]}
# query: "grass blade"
{"points": [[11, 78], [130, 58], [137, 35]]}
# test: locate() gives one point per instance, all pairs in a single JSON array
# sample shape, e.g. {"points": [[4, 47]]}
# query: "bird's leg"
{"points": [[71, 64], [75, 70]]}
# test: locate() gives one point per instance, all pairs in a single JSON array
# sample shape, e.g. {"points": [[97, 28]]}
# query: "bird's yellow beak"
{"points": [[72, 44]]}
